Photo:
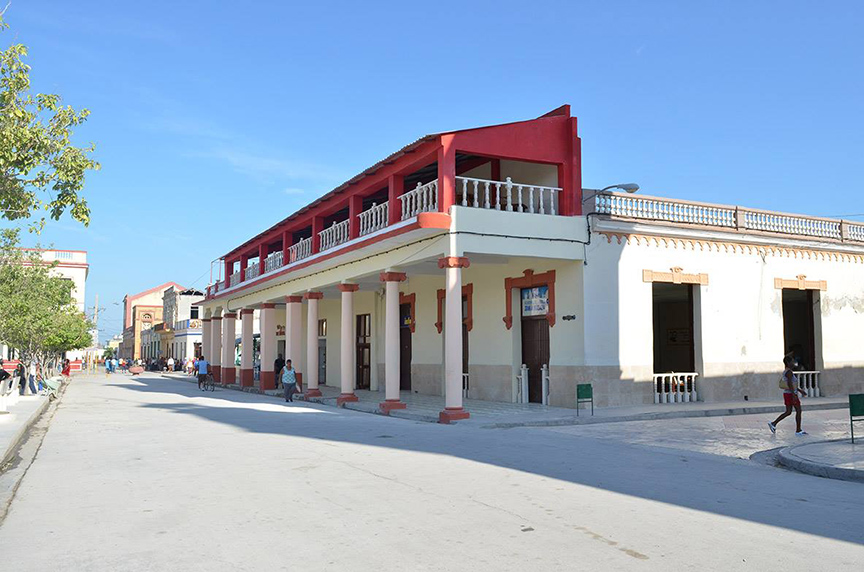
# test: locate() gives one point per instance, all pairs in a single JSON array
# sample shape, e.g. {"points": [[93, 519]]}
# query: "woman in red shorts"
{"points": [[790, 398]]}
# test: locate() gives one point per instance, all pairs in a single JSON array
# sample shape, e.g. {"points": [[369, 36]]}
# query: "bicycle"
{"points": [[209, 383]]}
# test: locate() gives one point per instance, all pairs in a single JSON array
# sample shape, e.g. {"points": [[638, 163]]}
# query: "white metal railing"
{"points": [[660, 209], [301, 250], [809, 382], [790, 224], [273, 261], [253, 270], [507, 195], [675, 387], [855, 232], [335, 235], [423, 198], [234, 279], [374, 218]]}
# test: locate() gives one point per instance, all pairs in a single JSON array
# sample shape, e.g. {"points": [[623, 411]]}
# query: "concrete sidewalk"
{"points": [[500, 415], [839, 459], [14, 425]]}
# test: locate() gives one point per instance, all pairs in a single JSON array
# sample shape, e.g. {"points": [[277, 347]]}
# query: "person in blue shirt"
{"points": [[202, 370], [288, 376]]}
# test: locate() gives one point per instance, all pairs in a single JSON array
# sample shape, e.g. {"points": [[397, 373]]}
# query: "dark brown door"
{"points": [[535, 354], [405, 347], [364, 351]]}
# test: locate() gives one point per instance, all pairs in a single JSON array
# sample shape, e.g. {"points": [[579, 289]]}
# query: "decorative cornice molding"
{"points": [[313, 295], [348, 287], [454, 262], [393, 277]]}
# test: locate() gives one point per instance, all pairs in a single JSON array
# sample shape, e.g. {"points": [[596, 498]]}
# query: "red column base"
{"points": [[228, 375], [345, 398], [387, 406], [267, 380], [217, 373], [313, 393], [247, 378], [455, 414]]}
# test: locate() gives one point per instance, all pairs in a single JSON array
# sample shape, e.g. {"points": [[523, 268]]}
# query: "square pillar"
{"points": [[294, 331], [268, 347], [446, 174], [247, 348], [453, 409], [216, 347], [229, 325], [347, 339], [391, 341], [312, 344]]}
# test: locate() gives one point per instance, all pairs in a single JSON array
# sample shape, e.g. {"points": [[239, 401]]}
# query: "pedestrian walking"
{"points": [[31, 377], [789, 385], [202, 370], [288, 377]]}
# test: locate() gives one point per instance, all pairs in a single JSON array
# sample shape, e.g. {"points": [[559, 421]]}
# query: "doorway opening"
{"points": [[535, 338], [801, 316], [364, 351], [673, 328], [405, 347], [322, 352]]}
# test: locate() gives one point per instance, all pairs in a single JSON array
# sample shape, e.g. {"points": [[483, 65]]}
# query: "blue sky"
{"points": [[232, 115]]}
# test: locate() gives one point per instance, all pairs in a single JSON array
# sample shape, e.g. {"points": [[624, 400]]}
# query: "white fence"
{"points": [[374, 218], [675, 387], [253, 270], [423, 198], [301, 250], [234, 279], [273, 261], [790, 224], [507, 195], [809, 382], [335, 235]]}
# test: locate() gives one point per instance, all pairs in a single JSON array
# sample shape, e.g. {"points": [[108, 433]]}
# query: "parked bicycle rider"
{"points": [[203, 370]]}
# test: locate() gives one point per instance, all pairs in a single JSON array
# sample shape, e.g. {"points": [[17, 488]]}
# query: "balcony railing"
{"points": [[335, 235], [507, 195], [234, 279], [253, 270], [273, 261], [301, 250], [374, 218], [738, 218], [423, 198]]}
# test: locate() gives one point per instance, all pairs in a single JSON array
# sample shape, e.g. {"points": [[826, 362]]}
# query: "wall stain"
{"points": [[836, 303]]}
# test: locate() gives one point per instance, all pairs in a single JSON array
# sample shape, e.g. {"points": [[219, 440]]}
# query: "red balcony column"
{"points": [[496, 170], [287, 238], [395, 189], [355, 207], [262, 254], [317, 227], [570, 176], [446, 174], [244, 260], [226, 271]]}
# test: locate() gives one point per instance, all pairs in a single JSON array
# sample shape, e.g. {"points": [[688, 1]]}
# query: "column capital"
{"points": [[348, 287], [205, 319], [214, 318], [247, 311], [294, 299], [393, 277], [267, 306], [454, 262], [230, 315], [313, 295]]}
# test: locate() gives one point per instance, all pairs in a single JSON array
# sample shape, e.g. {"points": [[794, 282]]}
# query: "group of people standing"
{"points": [[32, 376]]}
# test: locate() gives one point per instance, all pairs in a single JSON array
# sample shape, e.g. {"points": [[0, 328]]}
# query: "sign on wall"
{"points": [[535, 301]]}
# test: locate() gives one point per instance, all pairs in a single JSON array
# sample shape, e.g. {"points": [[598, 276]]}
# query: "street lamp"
{"points": [[628, 187]]}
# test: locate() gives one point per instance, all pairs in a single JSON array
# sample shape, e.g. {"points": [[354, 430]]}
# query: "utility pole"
{"points": [[96, 321]]}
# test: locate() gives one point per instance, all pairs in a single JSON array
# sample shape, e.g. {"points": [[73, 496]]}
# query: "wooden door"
{"points": [[535, 354], [364, 351], [405, 347]]}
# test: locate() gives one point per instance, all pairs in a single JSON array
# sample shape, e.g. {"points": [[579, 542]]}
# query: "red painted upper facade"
{"points": [[426, 176]]}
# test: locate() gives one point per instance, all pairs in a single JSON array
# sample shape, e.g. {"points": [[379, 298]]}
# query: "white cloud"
{"points": [[293, 191]]}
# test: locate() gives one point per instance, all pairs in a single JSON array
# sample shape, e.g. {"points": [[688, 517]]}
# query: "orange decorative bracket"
{"points": [[801, 283], [468, 294]]}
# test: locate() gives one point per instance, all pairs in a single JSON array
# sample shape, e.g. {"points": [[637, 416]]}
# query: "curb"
{"points": [[790, 460], [19, 435]]}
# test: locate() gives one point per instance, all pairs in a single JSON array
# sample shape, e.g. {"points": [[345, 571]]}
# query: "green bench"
{"points": [[856, 410], [584, 394]]}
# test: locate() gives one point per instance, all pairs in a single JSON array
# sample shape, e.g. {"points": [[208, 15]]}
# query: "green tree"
{"points": [[38, 316], [40, 168], [108, 353]]}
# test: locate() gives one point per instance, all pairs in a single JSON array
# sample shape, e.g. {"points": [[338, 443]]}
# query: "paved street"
{"points": [[148, 473]]}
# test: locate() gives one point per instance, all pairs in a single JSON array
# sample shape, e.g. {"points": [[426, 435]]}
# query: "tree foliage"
{"points": [[38, 316], [40, 168]]}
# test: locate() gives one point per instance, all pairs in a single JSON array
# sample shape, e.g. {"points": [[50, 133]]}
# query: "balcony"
{"points": [[722, 217]]}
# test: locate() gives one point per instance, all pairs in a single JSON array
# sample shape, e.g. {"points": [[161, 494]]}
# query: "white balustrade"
{"points": [[856, 232], [374, 218], [519, 197], [301, 250], [423, 198], [791, 224], [675, 387], [335, 235], [522, 385], [809, 382], [273, 261], [659, 209], [544, 384], [253, 270], [234, 279]]}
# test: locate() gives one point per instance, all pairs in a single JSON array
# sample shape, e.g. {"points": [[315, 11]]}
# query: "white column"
{"points": [[294, 331], [310, 376], [247, 347], [205, 338], [453, 339], [347, 337], [391, 340], [216, 346], [229, 326], [267, 324]]}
